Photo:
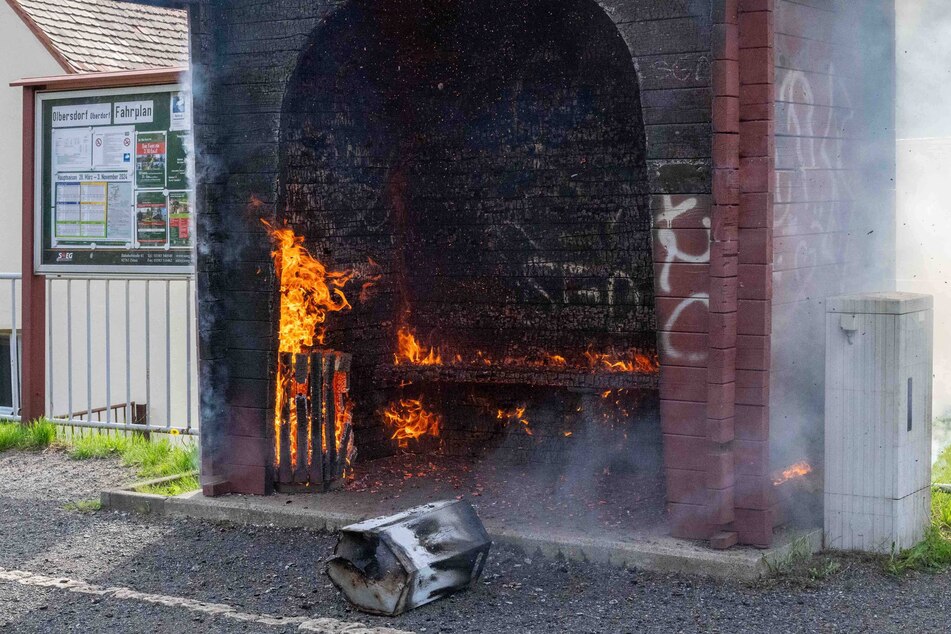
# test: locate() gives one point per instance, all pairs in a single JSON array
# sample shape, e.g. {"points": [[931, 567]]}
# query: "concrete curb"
{"points": [[741, 564], [130, 499], [663, 554], [237, 510]]}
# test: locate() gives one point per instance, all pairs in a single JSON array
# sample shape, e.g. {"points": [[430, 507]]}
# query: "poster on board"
{"points": [[151, 219], [179, 219], [150, 160], [113, 187]]}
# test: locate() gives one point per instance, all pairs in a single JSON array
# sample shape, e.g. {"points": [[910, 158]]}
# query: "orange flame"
{"points": [[410, 419], [632, 361], [308, 292], [792, 472], [343, 408], [409, 350], [515, 415]]}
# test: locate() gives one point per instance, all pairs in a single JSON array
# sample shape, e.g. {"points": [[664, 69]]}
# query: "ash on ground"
{"points": [[613, 503]]}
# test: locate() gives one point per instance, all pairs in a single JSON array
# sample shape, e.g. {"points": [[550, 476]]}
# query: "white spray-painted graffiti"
{"points": [[607, 291], [814, 143], [687, 69], [667, 237]]}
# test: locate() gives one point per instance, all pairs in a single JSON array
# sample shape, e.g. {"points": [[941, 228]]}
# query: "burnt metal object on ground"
{"points": [[389, 565], [315, 431]]}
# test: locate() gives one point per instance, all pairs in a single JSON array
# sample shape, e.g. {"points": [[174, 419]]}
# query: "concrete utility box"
{"points": [[878, 420]]}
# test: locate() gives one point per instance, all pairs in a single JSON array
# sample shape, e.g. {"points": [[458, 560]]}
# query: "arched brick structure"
{"points": [[705, 144]]}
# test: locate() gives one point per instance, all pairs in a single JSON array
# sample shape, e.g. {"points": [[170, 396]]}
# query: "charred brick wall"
{"points": [[490, 162], [245, 54]]}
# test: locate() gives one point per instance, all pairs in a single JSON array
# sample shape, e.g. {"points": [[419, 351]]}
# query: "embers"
{"points": [[519, 424], [409, 351]]}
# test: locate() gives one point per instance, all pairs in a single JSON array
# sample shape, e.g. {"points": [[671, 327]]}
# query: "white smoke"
{"points": [[924, 162]]}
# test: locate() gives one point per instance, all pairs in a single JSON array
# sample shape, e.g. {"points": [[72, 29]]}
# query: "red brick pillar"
{"points": [[33, 289], [721, 366], [754, 495]]}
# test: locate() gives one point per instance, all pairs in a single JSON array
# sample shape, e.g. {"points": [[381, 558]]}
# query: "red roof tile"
{"points": [[108, 35]]}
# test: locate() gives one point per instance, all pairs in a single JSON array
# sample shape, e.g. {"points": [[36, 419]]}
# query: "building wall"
{"points": [[23, 56], [90, 386], [924, 161], [832, 230]]}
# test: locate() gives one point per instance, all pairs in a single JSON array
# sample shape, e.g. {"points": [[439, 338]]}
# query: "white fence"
{"points": [[9, 344], [120, 352]]}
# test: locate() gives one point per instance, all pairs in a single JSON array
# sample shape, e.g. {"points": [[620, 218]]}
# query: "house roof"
{"points": [[107, 35]]}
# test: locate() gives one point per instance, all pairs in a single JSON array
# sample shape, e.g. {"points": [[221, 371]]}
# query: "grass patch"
{"points": [[934, 552], [799, 551], [40, 435], [941, 469], [84, 506], [11, 436], [173, 487], [824, 570], [161, 458], [151, 458], [799, 568], [97, 445]]}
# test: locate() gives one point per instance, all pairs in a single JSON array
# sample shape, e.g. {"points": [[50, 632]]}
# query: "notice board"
{"points": [[113, 193]]}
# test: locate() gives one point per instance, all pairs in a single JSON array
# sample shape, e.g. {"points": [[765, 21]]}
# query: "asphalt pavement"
{"points": [[64, 570]]}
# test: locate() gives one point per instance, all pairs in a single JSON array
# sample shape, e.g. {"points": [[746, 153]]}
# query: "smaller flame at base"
{"points": [[514, 415], [792, 472], [411, 419]]}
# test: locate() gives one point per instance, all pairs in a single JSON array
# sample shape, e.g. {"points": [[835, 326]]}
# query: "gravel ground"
{"points": [[277, 572]]}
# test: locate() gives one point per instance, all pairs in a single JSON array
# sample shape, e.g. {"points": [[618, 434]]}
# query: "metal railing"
{"points": [[120, 352], [9, 326]]}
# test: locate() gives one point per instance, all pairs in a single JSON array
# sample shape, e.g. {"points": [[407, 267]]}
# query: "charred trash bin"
{"points": [[389, 565]]}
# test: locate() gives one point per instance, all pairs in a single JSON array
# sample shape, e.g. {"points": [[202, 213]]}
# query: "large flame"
{"points": [[308, 292], [410, 419], [792, 472]]}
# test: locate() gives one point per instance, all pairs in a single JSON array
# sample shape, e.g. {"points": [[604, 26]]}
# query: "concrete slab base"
{"points": [[659, 553]]}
